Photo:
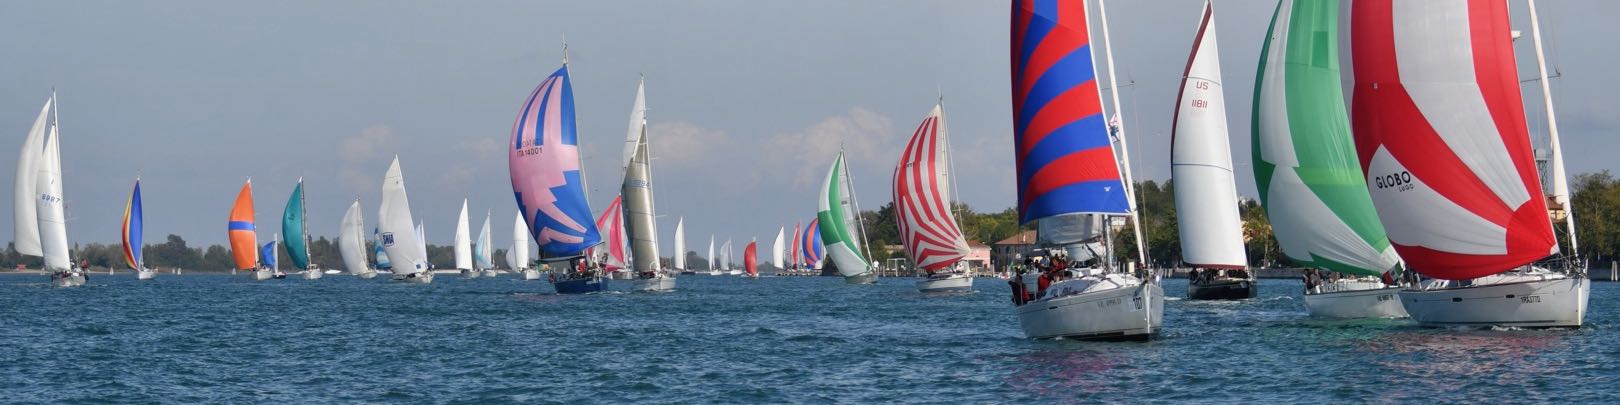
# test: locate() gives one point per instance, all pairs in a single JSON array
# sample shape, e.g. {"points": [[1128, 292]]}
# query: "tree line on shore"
{"points": [[1595, 201]]}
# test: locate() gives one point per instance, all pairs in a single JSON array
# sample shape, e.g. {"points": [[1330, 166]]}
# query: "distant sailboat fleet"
{"points": [[1400, 178]]}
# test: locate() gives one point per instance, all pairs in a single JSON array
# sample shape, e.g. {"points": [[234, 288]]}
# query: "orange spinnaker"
{"points": [[244, 242]]}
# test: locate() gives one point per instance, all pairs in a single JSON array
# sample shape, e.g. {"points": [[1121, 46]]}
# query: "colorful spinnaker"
{"points": [[547, 178], [131, 231], [1201, 161], [611, 224], [1305, 163], [1441, 135], [293, 226], [922, 198], [841, 221], [811, 251], [268, 252], [239, 229], [750, 259]]}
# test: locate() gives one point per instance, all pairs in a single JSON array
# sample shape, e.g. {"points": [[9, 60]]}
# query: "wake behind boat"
{"points": [[1093, 303]]}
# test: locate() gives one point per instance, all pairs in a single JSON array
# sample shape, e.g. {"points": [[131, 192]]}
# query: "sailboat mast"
{"points": [[303, 221], [1560, 189], [950, 165], [1124, 147]]}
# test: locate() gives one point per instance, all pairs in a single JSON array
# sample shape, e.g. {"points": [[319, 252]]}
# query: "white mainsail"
{"points": [[24, 213], [641, 225], [421, 241], [1201, 162], [52, 220], [463, 241], [679, 259], [776, 249], [713, 265], [483, 258], [518, 255], [351, 239], [394, 225]]}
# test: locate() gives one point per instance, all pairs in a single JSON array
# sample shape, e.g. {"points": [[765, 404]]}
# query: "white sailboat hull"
{"points": [[863, 278], [471, 273], [67, 279], [415, 278], [1544, 301], [313, 274], [490, 273], [715, 273], [1355, 300], [735, 272], [366, 275], [951, 283], [531, 274], [660, 283], [1116, 311], [262, 274], [145, 275]]}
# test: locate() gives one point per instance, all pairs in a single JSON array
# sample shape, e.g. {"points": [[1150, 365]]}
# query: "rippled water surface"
{"points": [[216, 338]]}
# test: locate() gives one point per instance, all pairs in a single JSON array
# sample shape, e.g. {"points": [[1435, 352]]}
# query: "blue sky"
{"points": [[748, 99]]}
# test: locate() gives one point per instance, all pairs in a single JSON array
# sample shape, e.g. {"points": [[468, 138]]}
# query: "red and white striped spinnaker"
{"points": [[922, 199], [611, 224], [1440, 131]]}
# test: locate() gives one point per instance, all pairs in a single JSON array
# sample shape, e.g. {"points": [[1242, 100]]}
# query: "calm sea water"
{"points": [[216, 338]]}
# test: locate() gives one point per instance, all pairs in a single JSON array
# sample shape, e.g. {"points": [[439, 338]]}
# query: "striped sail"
{"points": [[24, 213], [239, 230], [130, 233], [1305, 161], [611, 224], [293, 226], [1065, 158], [922, 201], [793, 257], [547, 177], [463, 240], [351, 240], [679, 258], [811, 250], [1441, 135], [1201, 161], [838, 217]]}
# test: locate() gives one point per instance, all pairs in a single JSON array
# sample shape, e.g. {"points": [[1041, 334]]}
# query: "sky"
{"points": [[748, 100]]}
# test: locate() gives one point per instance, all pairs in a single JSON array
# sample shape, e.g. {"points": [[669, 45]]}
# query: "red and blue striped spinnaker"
{"points": [[131, 235], [1066, 163], [545, 166], [812, 243]]}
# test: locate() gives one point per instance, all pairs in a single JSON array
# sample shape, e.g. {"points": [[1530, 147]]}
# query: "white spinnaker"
{"points": [[463, 241], [1201, 162], [394, 225], [24, 213], [52, 220], [520, 244], [680, 245], [351, 239]]}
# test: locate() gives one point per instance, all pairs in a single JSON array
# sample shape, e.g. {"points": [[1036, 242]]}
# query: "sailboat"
{"points": [[396, 234], [1442, 138], [131, 234], [1306, 168], [793, 250], [297, 231], [714, 265], [352, 243], [270, 255], [611, 254], [750, 260], [679, 259], [483, 256], [41, 227], [1201, 167], [725, 260], [637, 189], [243, 239], [463, 245], [923, 211], [1072, 172], [813, 251], [548, 181], [381, 254], [777, 251], [841, 217], [518, 255]]}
